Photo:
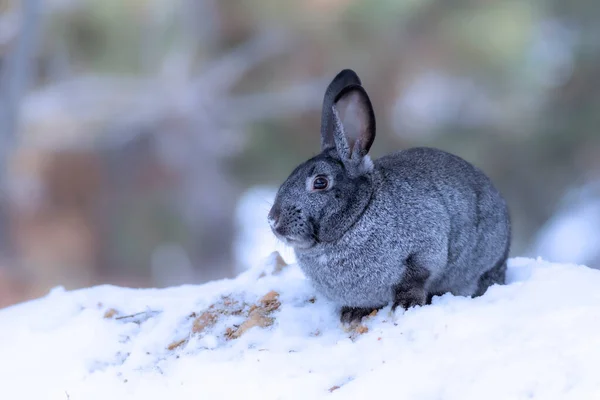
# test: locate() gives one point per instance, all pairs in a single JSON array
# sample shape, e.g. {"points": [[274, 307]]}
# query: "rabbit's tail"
{"points": [[496, 275]]}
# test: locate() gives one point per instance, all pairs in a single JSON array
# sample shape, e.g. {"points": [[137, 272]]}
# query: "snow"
{"points": [[573, 234], [537, 337], [254, 239]]}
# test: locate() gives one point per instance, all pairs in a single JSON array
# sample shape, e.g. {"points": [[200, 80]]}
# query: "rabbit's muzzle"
{"points": [[289, 225]]}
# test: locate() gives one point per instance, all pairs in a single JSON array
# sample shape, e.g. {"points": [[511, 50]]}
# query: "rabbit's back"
{"points": [[476, 220]]}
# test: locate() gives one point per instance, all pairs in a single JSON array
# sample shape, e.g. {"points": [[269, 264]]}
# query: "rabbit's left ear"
{"points": [[354, 124], [345, 78]]}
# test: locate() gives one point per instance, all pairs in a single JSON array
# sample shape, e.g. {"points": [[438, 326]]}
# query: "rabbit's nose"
{"points": [[274, 217]]}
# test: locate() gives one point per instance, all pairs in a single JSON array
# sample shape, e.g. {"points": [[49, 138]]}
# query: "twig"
{"points": [[133, 317]]}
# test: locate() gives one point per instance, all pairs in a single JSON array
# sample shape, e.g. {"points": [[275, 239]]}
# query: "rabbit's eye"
{"points": [[320, 183]]}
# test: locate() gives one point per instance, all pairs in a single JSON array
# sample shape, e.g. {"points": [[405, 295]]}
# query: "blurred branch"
{"points": [[9, 26], [205, 31], [222, 74], [297, 99], [209, 93]]}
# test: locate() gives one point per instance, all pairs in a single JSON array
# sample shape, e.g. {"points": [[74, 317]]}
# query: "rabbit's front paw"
{"points": [[349, 315], [409, 298]]}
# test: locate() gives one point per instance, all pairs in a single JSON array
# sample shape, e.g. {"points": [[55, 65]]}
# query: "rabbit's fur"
{"points": [[400, 229]]}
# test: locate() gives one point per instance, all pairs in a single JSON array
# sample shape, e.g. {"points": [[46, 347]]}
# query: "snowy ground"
{"points": [[538, 337], [573, 234]]}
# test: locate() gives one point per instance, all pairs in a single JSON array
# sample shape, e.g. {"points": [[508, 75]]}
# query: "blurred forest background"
{"points": [[141, 140]]}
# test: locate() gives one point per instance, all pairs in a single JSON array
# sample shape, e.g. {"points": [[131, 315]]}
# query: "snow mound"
{"points": [[573, 233], [267, 335]]}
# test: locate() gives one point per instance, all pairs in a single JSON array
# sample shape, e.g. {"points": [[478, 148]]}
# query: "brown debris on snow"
{"points": [[361, 329], [229, 333], [275, 263], [111, 313], [258, 315], [357, 328], [270, 301], [228, 306], [278, 263], [176, 344], [205, 320]]}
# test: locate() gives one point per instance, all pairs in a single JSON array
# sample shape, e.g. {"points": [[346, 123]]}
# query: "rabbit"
{"points": [[402, 229]]}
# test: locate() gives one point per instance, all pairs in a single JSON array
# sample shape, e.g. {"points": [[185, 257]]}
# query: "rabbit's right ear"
{"points": [[343, 79], [354, 127]]}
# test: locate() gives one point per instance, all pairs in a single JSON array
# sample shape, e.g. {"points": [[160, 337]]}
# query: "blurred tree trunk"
{"points": [[15, 78]]}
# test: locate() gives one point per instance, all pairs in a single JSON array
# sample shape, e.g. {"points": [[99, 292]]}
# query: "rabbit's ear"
{"points": [[345, 78], [354, 124]]}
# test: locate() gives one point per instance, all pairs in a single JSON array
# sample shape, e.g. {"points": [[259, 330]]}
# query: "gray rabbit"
{"points": [[401, 229]]}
